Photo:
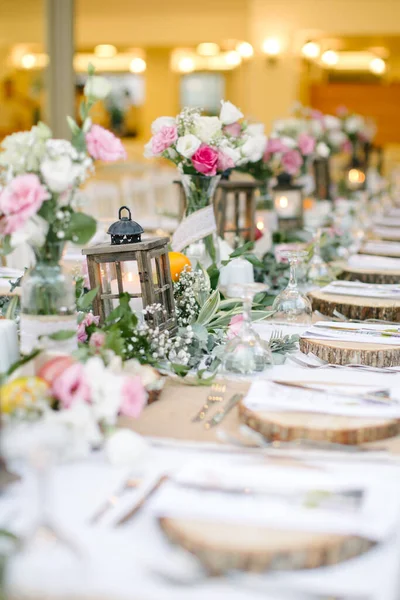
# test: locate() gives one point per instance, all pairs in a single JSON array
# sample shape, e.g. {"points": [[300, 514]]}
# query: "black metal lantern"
{"points": [[125, 231], [288, 203]]}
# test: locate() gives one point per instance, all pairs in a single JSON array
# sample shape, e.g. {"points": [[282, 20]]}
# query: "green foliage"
{"points": [[85, 301], [81, 228]]}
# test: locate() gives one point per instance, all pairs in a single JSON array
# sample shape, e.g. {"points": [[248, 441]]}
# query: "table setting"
{"points": [[188, 413]]}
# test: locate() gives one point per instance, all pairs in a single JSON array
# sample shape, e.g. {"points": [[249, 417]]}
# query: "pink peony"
{"points": [[347, 147], [275, 145], [164, 139], [234, 129], [133, 397], [205, 160], [234, 327], [97, 340], [103, 145], [306, 144], [20, 200], [71, 387], [292, 161], [224, 162], [342, 111], [89, 319]]}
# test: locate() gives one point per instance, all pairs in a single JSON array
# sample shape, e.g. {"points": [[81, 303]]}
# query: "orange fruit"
{"points": [[22, 392], [178, 262]]}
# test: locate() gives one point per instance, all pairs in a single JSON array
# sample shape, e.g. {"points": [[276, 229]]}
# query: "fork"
{"points": [[277, 334], [216, 395], [112, 500], [349, 366]]}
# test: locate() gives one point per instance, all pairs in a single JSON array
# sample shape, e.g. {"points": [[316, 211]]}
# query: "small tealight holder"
{"points": [[237, 272], [288, 203]]}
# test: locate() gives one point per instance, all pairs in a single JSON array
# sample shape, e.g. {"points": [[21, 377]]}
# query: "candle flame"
{"points": [[283, 202], [130, 277], [356, 176], [260, 225]]}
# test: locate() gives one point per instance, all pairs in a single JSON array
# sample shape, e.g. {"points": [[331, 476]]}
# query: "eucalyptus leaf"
{"points": [[81, 228], [200, 332], [60, 336], [242, 250], [86, 300]]}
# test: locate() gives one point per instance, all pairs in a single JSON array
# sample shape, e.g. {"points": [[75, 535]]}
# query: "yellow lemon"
{"points": [[178, 262], [22, 392]]}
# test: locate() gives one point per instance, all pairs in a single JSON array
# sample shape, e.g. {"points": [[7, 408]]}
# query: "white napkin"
{"points": [[354, 332], [366, 290], [280, 498], [390, 233], [371, 262], [382, 248]]}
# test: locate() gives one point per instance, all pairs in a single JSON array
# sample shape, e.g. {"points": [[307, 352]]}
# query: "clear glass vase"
{"points": [[48, 302], [203, 247]]}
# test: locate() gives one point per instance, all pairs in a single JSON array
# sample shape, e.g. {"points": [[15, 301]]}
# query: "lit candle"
{"points": [[131, 285], [288, 204], [9, 352]]}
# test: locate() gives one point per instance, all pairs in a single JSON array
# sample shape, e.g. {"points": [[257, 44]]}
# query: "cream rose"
{"points": [[97, 87], [60, 173], [207, 128], [229, 113], [187, 145]]}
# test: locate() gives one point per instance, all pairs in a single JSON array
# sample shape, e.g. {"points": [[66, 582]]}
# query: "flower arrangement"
{"points": [[40, 177]]}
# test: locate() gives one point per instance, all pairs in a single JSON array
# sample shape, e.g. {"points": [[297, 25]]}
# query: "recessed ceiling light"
{"points": [[330, 58]]}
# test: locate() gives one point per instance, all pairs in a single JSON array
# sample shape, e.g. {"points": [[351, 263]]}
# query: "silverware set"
{"points": [[326, 365], [216, 397]]}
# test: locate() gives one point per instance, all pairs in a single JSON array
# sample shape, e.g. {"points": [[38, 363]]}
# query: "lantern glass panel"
{"points": [[288, 203]]}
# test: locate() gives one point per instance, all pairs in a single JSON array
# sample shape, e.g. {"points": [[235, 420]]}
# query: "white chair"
{"points": [[138, 195], [103, 199]]}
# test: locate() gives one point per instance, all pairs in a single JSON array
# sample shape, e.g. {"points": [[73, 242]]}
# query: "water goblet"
{"points": [[318, 269], [291, 305], [246, 353]]}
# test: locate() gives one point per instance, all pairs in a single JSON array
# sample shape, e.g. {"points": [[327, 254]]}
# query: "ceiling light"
{"points": [[330, 58], [377, 66], [271, 46], [245, 49], [105, 51], [137, 65], [311, 50], [233, 58], [186, 64], [208, 49], [28, 61]]}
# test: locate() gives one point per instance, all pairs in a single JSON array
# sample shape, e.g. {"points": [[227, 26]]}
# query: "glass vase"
{"points": [[201, 227], [48, 302]]}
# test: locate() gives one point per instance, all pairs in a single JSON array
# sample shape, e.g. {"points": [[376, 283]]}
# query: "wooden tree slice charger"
{"points": [[289, 426], [356, 307], [369, 275], [343, 353], [225, 546]]}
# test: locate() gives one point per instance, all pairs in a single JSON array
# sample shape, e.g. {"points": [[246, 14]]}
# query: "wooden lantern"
{"points": [[128, 264], [322, 179], [235, 219], [288, 203]]}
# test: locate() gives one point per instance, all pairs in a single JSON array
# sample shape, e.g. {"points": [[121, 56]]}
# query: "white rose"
{"points": [[315, 128], [148, 152], [332, 122], [124, 447], [60, 173], [33, 232], [336, 138], [255, 129], [233, 153], [254, 147], [162, 122], [322, 150], [97, 87], [353, 124], [289, 142], [229, 113], [206, 128], [187, 145]]}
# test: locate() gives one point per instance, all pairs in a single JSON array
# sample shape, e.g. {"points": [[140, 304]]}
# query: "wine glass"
{"points": [[290, 304], [246, 353], [318, 269]]}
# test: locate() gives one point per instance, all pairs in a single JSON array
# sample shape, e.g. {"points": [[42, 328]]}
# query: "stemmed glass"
{"points": [[246, 353], [291, 305], [318, 269]]}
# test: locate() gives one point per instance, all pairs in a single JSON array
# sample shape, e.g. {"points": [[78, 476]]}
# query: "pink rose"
{"points": [[234, 129], [275, 145], [224, 162], [97, 340], [20, 200], [164, 139], [347, 147], [316, 114], [103, 145], [234, 327], [133, 397], [71, 387], [306, 144], [342, 111], [205, 160], [89, 319], [292, 161]]}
